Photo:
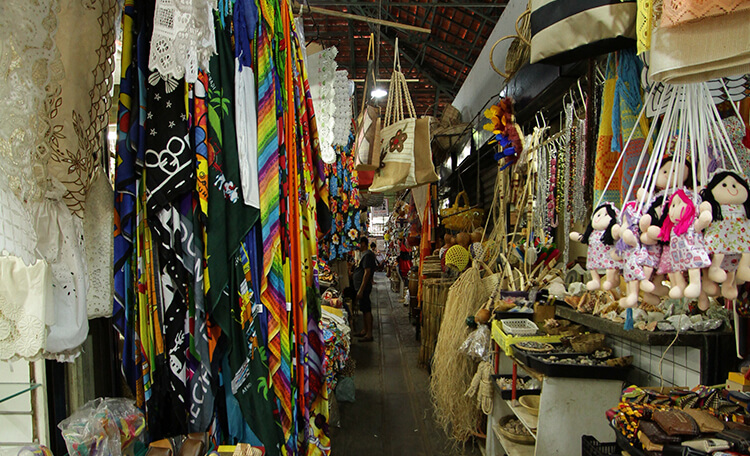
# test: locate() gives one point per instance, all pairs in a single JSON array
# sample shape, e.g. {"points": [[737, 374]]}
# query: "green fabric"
{"points": [[229, 219]]}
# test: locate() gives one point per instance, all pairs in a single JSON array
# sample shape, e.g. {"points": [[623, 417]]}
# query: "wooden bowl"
{"points": [[530, 403]]}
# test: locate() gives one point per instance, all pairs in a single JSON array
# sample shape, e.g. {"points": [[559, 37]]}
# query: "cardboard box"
{"points": [[734, 386], [543, 312]]}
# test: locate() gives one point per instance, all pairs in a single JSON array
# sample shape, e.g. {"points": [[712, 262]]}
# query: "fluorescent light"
{"points": [[378, 92]]}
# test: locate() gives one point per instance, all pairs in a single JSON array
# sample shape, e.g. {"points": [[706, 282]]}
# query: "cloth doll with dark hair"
{"points": [[726, 206], [599, 237]]}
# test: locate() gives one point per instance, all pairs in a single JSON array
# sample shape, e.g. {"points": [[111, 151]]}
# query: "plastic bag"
{"points": [[102, 427], [345, 390], [477, 345]]}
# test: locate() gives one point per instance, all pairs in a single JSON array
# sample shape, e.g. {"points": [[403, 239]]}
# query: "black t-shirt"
{"points": [[368, 261]]}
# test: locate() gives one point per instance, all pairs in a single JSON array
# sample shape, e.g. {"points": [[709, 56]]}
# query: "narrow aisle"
{"points": [[392, 414]]}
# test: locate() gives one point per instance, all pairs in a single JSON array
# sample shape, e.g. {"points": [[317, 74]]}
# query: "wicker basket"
{"points": [[522, 439], [519, 51], [434, 295], [587, 343]]}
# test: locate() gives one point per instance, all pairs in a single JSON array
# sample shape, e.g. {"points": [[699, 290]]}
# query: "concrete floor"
{"points": [[392, 414]]}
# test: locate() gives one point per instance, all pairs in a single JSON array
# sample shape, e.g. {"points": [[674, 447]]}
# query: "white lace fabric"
{"points": [[330, 92], [183, 39], [98, 226], [25, 308], [30, 65]]}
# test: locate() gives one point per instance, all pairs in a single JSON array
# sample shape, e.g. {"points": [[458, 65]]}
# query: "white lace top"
{"points": [[183, 39]]}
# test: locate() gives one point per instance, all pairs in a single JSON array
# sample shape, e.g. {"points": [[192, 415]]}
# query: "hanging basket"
{"points": [[462, 217], [519, 52]]}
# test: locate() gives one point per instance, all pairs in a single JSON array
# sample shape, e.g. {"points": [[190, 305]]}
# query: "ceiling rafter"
{"points": [[439, 60], [407, 54]]}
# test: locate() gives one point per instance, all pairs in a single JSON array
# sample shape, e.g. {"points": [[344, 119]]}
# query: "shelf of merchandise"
{"points": [[529, 420], [715, 362], [568, 408]]}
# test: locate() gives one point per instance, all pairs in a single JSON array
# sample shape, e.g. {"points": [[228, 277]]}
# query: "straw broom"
{"points": [[452, 372]]}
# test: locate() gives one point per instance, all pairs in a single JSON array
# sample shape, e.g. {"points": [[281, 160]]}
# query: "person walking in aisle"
{"points": [[364, 273]]}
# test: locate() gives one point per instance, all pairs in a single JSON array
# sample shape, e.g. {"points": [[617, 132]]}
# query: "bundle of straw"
{"points": [[452, 371]]}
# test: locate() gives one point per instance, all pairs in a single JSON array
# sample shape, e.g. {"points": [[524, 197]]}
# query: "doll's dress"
{"points": [[653, 255], [730, 235], [634, 259], [598, 256], [688, 251], [665, 261]]}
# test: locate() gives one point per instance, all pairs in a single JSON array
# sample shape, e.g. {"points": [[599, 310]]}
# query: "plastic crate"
{"points": [[592, 447], [519, 327]]}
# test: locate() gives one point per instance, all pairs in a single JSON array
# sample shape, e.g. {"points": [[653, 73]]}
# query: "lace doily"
{"points": [[183, 39], [98, 225], [342, 102], [25, 308], [30, 64], [331, 95]]}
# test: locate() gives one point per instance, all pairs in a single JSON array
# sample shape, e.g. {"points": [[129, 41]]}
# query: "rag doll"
{"points": [[687, 250], [726, 206], [652, 247], [628, 248], [684, 176], [598, 236], [657, 264]]}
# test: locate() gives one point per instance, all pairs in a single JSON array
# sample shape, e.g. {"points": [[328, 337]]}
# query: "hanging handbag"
{"points": [[367, 135], [565, 31], [405, 153]]}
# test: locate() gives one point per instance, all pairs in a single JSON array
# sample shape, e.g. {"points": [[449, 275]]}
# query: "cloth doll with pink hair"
{"points": [[682, 228]]}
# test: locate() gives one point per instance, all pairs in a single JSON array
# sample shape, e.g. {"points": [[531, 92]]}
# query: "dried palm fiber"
{"points": [[452, 372], [481, 387]]}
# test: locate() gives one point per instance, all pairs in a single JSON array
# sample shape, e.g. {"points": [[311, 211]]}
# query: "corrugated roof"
{"points": [[440, 60]]}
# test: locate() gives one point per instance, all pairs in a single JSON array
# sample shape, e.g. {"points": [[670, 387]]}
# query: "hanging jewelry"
{"points": [[568, 138]]}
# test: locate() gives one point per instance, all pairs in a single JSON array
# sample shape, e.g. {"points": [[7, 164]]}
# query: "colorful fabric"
{"points": [[606, 158], [343, 186], [272, 279], [627, 106]]}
